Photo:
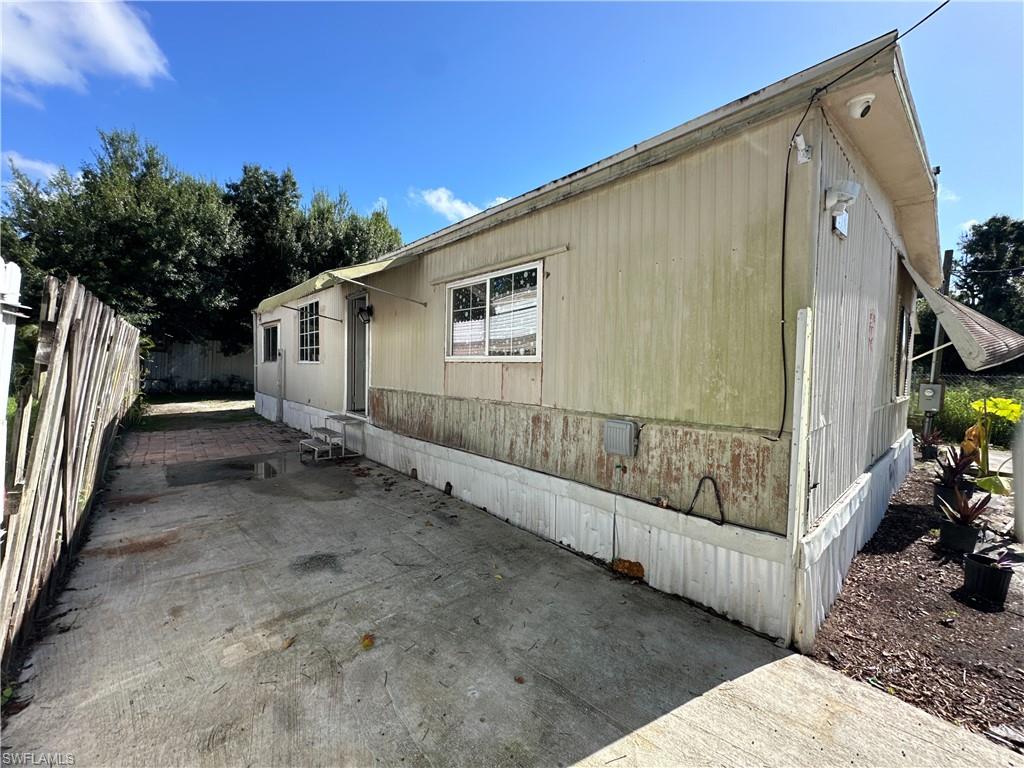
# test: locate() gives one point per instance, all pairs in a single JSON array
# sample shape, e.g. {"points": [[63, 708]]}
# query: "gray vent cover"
{"points": [[620, 437]]}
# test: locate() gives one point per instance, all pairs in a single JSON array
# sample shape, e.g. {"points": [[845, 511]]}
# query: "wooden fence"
{"points": [[85, 379]]}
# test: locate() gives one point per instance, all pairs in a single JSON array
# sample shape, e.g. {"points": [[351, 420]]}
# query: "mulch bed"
{"points": [[899, 625]]}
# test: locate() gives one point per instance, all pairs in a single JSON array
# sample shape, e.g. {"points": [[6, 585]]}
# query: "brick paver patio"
{"points": [[218, 441]]}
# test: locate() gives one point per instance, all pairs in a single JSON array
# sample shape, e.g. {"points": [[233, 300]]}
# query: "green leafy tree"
{"points": [[988, 275], [182, 258], [265, 205], [334, 235], [143, 237]]}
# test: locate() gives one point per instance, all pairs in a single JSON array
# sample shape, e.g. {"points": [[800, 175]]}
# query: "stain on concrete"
{"points": [[128, 499], [175, 611], [319, 561], [134, 546]]}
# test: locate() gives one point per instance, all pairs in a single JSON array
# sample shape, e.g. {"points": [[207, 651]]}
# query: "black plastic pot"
{"points": [[984, 581], [957, 538], [929, 452]]}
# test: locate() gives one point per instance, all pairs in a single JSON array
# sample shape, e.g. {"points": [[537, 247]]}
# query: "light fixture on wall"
{"points": [[365, 313], [837, 198]]}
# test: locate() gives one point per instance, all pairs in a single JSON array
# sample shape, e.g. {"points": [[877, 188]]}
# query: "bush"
{"points": [[957, 415]]}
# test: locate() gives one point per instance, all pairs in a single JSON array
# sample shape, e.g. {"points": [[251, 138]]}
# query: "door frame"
{"points": [[353, 324]]}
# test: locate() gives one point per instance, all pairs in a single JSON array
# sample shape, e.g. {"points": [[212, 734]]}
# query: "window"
{"points": [[496, 315], [270, 344], [309, 332], [904, 339]]}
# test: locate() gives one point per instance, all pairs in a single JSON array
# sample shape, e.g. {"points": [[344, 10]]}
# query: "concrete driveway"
{"points": [[257, 611]]}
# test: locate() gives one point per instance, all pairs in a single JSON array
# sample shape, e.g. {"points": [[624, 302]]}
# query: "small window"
{"points": [[309, 332], [270, 344], [904, 338], [496, 315]]}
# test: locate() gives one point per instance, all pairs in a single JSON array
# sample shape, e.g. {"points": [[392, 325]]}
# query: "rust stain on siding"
{"points": [[752, 473]]}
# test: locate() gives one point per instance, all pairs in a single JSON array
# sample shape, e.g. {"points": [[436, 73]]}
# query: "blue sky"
{"points": [[443, 109]]}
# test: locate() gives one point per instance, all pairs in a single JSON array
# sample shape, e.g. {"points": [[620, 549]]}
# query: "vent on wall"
{"points": [[620, 437]]}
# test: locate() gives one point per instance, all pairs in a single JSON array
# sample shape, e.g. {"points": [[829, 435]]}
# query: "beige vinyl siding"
{"points": [[664, 307], [858, 284], [321, 384]]}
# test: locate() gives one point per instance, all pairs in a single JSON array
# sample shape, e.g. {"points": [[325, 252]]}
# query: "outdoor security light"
{"points": [[365, 313], [840, 195]]}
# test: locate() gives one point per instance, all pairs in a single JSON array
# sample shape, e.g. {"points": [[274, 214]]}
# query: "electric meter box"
{"points": [[930, 397]]}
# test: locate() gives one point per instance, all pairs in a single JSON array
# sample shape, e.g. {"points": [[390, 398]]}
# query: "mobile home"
{"points": [[692, 355]]}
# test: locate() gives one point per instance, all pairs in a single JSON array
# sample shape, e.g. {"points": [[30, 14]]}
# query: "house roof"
{"points": [[893, 147], [980, 341]]}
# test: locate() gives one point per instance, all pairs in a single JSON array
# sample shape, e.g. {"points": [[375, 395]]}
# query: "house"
{"points": [[691, 355]]}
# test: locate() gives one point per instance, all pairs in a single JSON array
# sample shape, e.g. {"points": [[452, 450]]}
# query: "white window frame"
{"points": [[485, 278], [277, 349], [304, 348]]}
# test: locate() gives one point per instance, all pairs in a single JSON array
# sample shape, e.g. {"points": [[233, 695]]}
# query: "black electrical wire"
{"points": [[718, 499], [785, 210]]}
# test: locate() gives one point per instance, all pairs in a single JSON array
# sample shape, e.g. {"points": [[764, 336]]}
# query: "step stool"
{"points": [[325, 441]]}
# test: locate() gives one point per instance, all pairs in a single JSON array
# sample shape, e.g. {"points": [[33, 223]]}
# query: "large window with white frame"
{"points": [[496, 316], [309, 332]]}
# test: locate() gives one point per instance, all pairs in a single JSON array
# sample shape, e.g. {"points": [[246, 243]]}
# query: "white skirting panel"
{"points": [[735, 571], [844, 529], [304, 417]]}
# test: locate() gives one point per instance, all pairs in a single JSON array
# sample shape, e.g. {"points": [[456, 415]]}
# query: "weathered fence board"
{"points": [[86, 377]]}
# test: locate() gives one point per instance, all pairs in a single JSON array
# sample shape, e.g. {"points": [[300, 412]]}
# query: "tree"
{"points": [[180, 257], [143, 237], [988, 276], [265, 205], [334, 235], [324, 226]]}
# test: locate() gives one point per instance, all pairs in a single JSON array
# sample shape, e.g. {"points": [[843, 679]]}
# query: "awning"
{"points": [[980, 341], [332, 277]]}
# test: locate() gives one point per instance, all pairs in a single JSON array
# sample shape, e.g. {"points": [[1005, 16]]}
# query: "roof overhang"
{"points": [[892, 145], [980, 341], [333, 277]]}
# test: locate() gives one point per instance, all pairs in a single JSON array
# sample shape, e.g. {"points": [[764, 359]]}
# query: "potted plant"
{"points": [[958, 532], [951, 476], [988, 578], [930, 443]]}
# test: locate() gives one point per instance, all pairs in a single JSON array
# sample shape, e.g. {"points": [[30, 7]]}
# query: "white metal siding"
{"points": [[857, 290]]}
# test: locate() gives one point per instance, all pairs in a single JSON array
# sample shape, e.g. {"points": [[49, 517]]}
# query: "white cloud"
{"points": [[36, 169], [442, 200], [947, 195], [966, 226], [60, 44], [380, 204]]}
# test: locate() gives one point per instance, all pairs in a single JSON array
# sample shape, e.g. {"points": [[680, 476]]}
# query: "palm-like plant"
{"points": [[952, 470], [963, 512]]}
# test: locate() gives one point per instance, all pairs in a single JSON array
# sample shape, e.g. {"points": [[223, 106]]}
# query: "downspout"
{"points": [[255, 358]]}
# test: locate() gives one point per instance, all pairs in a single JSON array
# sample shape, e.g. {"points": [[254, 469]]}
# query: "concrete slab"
{"points": [[220, 614]]}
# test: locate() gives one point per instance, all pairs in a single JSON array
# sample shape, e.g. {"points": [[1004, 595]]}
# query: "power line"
{"points": [[785, 203]]}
